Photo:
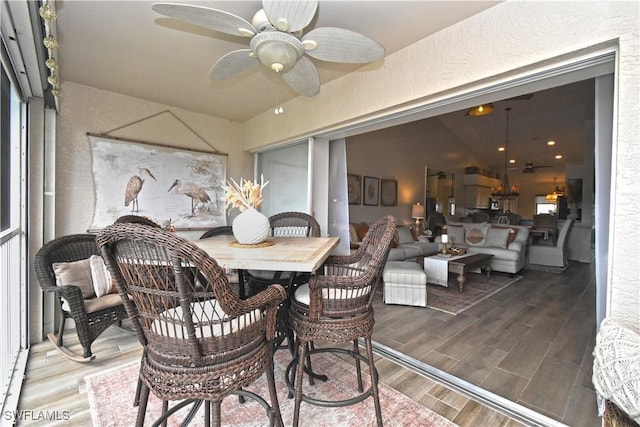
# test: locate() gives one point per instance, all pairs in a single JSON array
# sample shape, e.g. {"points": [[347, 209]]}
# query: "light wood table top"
{"points": [[298, 254]]}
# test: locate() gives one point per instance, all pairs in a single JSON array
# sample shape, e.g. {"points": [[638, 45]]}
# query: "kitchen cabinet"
{"points": [[477, 191]]}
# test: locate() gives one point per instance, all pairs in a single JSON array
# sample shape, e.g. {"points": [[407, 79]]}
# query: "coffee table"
{"points": [[437, 272], [467, 263]]}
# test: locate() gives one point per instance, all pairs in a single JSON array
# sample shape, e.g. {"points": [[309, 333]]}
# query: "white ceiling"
{"points": [[125, 47]]}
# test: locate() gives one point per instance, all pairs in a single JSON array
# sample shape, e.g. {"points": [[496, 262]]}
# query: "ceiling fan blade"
{"points": [[340, 45], [206, 17], [232, 63], [303, 77], [290, 15]]}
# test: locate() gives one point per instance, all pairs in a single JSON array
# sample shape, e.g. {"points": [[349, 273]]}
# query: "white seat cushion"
{"points": [[302, 293], [204, 314], [404, 272]]}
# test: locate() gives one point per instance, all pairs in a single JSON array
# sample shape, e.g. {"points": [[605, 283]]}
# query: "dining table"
{"points": [[291, 254], [277, 254]]}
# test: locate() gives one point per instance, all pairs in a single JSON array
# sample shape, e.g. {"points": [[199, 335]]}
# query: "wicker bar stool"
{"points": [[336, 307], [284, 224], [201, 342], [226, 230]]}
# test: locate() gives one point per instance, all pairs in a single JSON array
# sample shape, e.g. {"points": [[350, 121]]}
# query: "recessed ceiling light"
{"points": [[551, 142], [500, 148], [558, 156], [512, 161]]}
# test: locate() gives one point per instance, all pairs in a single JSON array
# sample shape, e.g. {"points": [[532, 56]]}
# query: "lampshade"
{"points": [[417, 211], [557, 192], [480, 110]]}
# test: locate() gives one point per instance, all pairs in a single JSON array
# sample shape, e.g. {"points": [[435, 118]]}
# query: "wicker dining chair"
{"points": [[223, 230], [227, 230], [136, 219], [92, 315], [200, 341], [336, 307], [284, 224]]}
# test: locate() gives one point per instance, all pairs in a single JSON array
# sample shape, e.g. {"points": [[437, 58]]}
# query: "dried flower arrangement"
{"points": [[245, 195]]}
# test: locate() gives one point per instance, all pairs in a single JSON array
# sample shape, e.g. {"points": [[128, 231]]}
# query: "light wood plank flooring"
{"points": [[531, 343], [54, 383]]}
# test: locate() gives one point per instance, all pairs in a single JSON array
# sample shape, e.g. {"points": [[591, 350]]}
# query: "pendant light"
{"points": [[505, 191]]}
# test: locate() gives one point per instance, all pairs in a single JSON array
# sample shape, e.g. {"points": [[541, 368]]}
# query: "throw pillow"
{"points": [[476, 234], [497, 237], [404, 236], [513, 232], [361, 230], [102, 283], [456, 234], [76, 273], [353, 234]]}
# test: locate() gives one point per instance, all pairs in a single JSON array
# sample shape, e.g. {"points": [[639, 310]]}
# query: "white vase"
{"points": [[251, 227]]}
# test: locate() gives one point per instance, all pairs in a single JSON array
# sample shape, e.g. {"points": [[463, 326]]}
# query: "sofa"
{"points": [[507, 243], [405, 246]]}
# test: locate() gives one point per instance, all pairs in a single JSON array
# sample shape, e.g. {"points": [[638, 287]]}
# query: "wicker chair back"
{"points": [[294, 224], [89, 326], [193, 328]]}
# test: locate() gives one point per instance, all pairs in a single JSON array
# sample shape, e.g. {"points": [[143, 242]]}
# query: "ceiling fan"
{"points": [[531, 168], [277, 41], [439, 174]]}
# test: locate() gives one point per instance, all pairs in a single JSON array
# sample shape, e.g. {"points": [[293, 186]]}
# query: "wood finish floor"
{"points": [[531, 342]]}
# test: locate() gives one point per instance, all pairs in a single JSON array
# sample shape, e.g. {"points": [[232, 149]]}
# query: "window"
{"points": [[287, 171], [5, 152], [543, 206]]}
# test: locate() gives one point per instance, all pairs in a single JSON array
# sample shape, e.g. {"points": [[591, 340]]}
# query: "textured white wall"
{"points": [[504, 41], [84, 109]]}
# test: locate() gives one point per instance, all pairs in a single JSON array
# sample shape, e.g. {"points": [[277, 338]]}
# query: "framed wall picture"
{"points": [[165, 184], [388, 192], [371, 191], [354, 186]]}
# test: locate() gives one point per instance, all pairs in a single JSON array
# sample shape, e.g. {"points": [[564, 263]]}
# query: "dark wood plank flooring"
{"points": [[531, 343]]}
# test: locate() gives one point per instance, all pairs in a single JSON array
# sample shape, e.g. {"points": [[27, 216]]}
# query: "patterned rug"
{"points": [[111, 395], [476, 289]]}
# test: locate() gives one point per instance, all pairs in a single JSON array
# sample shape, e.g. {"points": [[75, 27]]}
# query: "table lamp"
{"points": [[417, 213]]}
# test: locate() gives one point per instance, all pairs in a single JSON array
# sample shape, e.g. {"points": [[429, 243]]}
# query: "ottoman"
{"points": [[405, 282]]}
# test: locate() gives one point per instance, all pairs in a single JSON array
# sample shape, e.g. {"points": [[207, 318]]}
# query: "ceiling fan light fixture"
{"points": [[480, 110], [278, 51]]}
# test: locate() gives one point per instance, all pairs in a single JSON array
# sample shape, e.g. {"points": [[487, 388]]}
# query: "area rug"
{"points": [[111, 395], [476, 289], [546, 268]]}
